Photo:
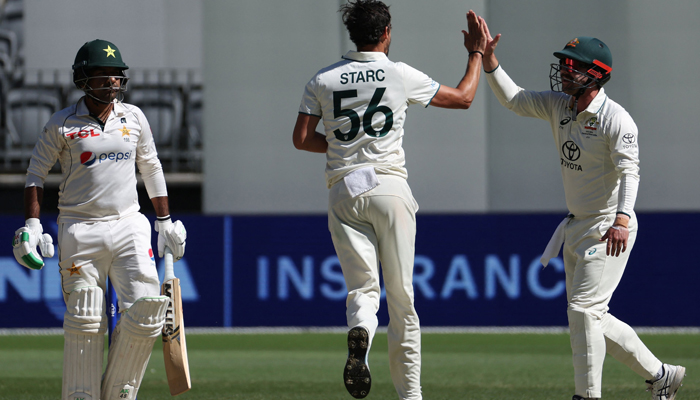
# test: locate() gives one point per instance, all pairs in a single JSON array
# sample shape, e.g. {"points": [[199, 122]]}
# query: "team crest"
{"points": [[592, 123], [572, 43], [125, 132], [110, 51], [74, 269]]}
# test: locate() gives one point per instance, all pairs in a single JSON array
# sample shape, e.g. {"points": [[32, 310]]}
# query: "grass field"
{"points": [[309, 366]]}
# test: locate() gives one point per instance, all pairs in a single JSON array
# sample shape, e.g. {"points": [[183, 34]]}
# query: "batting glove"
{"points": [[173, 235], [25, 242]]}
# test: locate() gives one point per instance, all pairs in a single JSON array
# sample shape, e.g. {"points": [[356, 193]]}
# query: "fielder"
{"points": [[98, 142], [362, 100], [598, 144]]}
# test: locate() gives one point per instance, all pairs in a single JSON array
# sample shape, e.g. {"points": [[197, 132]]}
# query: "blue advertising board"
{"points": [[470, 270]]}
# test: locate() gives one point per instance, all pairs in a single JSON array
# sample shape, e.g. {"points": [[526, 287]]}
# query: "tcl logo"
{"points": [[82, 134], [88, 158]]}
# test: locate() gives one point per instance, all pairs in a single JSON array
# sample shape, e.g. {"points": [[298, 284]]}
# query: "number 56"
{"points": [[372, 109]]}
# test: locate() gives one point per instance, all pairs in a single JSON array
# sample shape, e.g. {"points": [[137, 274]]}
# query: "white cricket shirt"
{"points": [[598, 152], [363, 100], [97, 162]]}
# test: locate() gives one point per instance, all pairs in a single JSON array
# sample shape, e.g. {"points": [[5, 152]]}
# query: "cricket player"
{"points": [[362, 100], [598, 148], [98, 142]]}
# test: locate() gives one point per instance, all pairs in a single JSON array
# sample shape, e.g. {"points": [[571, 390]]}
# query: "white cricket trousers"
{"points": [[591, 279], [380, 226], [90, 251]]}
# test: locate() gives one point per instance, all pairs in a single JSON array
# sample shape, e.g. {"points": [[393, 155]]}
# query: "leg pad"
{"points": [[84, 328], [132, 344]]}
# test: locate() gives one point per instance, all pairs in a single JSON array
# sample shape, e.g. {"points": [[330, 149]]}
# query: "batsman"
{"points": [[98, 142], [597, 141]]}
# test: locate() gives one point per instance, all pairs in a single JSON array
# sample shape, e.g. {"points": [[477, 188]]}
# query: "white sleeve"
{"points": [[523, 102], [420, 88], [624, 152], [147, 160], [44, 155], [309, 102]]}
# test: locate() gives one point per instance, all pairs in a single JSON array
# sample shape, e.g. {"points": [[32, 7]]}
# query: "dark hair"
{"points": [[365, 20]]}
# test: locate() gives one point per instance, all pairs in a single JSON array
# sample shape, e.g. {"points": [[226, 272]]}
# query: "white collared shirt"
{"points": [[362, 101], [598, 152], [97, 162]]}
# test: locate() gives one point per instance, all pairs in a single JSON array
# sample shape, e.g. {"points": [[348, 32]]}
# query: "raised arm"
{"points": [[463, 95], [522, 102]]}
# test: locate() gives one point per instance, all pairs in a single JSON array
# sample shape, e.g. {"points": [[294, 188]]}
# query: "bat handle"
{"points": [[168, 274]]}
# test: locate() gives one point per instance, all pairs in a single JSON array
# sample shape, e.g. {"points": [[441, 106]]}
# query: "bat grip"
{"points": [[168, 274]]}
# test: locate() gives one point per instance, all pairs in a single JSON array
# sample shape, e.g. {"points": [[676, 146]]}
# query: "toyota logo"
{"points": [[629, 138], [571, 151]]}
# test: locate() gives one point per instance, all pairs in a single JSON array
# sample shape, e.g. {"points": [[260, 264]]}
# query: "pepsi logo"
{"points": [[88, 158]]}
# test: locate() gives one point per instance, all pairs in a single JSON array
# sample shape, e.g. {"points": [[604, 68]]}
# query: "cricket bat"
{"points": [[177, 368]]}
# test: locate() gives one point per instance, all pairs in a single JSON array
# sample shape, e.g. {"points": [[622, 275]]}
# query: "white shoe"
{"points": [[665, 388]]}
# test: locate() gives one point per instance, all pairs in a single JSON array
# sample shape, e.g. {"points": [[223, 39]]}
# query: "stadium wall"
{"points": [[470, 270]]}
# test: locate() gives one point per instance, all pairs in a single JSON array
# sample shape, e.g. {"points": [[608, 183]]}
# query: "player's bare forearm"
{"points": [[33, 197], [470, 82], [316, 144], [463, 95], [160, 204], [305, 136]]}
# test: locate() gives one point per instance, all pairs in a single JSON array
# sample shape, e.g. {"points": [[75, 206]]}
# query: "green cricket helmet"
{"points": [[98, 54], [587, 56]]}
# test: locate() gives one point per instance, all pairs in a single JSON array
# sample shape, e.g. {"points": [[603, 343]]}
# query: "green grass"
{"points": [[309, 366]]}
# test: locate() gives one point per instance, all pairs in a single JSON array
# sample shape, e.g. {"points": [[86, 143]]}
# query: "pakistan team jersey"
{"points": [[363, 100], [598, 150], [97, 162]]}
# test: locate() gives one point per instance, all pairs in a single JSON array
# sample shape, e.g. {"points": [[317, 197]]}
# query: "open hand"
{"points": [[491, 42], [475, 38]]}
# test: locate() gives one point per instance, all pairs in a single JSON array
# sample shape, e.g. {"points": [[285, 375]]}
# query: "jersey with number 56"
{"points": [[363, 100]]}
